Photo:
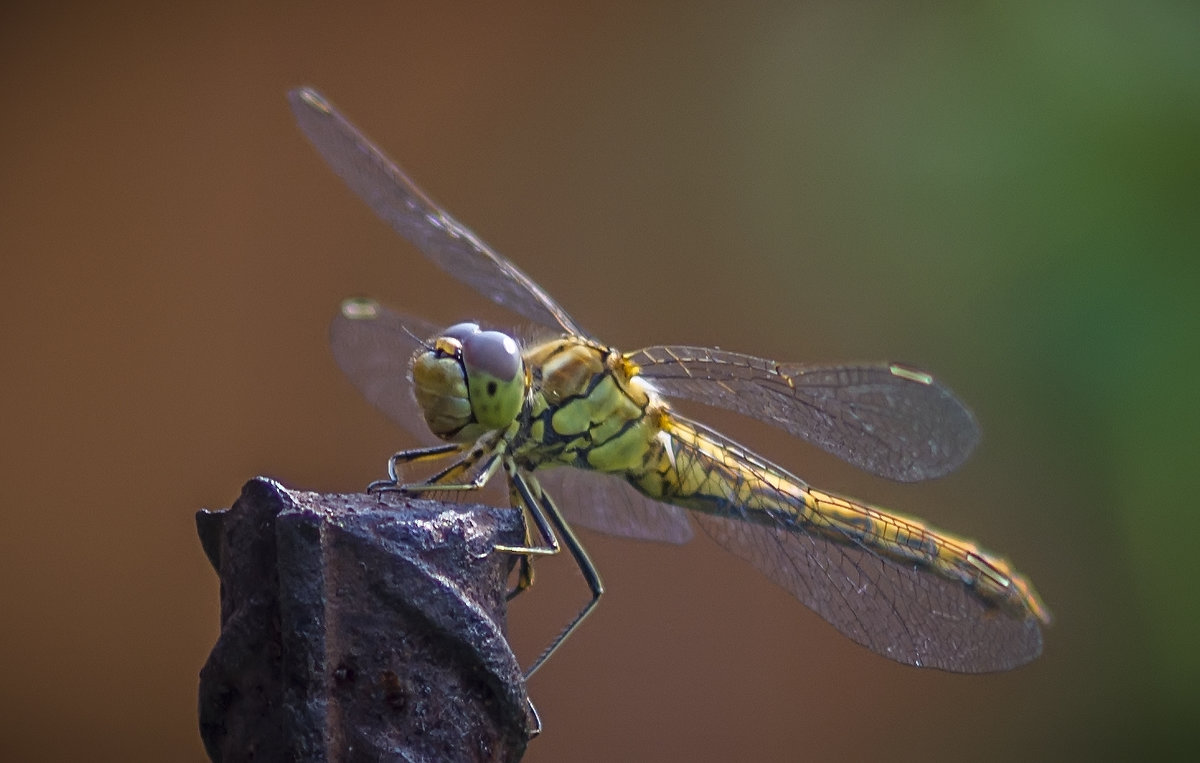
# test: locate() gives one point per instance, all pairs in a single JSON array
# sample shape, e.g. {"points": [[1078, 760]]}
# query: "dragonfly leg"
{"points": [[454, 478], [392, 483], [521, 495], [524, 492], [546, 514], [537, 720], [451, 479]]}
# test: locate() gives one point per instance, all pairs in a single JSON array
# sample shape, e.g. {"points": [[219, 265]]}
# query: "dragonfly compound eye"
{"points": [[494, 377], [461, 331]]}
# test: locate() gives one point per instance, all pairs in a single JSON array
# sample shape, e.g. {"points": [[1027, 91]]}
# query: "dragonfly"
{"points": [[569, 415]]}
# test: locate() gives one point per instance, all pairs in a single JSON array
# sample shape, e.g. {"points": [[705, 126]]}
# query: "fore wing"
{"points": [[885, 418], [373, 346], [389, 192]]}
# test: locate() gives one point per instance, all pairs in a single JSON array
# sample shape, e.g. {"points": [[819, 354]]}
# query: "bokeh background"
{"points": [[1005, 193]]}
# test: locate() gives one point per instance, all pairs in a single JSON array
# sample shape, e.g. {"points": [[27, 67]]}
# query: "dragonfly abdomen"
{"points": [[700, 470]]}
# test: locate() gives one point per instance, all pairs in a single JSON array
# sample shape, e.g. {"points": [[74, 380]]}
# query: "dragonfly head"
{"points": [[469, 382]]}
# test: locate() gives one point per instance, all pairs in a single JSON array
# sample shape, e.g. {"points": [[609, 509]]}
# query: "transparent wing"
{"points": [[886, 418], [373, 346], [388, 191], [902, 611], [609, 504]]}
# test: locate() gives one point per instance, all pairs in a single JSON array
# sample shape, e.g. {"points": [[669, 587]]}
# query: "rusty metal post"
{"points": [[360, 627]]}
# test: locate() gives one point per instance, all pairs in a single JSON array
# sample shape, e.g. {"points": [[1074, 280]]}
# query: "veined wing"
{"points": [[608, 504], [854, 577], [388, 191], [373, 345], [886, 418]]}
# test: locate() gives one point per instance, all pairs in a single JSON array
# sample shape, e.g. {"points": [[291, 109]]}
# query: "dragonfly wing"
{"points": [[397, 200], [899, 609], [902, 612], [886, 418], [608, 504], [373, 345]]}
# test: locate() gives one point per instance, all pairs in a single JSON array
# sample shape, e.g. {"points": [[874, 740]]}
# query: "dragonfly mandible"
{"points": [[569, 403]]}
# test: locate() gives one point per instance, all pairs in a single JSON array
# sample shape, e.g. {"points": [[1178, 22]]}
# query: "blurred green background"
{"points": [[1003, 193]]}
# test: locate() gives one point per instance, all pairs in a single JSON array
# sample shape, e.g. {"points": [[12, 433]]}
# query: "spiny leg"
{"points": [[537, 720], [524, 561], [521, 495], [545, 513], [411, 456], [451, 479], [535, 501]]}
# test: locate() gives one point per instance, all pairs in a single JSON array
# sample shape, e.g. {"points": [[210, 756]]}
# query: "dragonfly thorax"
{"points": [[469, 382]]}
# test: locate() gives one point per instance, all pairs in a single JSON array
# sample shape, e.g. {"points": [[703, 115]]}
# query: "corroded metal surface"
{"points": [[360, 627]]}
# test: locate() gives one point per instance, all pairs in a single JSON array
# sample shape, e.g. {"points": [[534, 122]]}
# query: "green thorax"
{"points": [[587, 410]]}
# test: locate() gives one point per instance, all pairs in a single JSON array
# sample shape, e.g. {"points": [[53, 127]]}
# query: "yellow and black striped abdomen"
{"points": [[699, 469]]}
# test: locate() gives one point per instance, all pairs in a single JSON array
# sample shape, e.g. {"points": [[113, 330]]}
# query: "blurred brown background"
{"points": [[1004, 193]]}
